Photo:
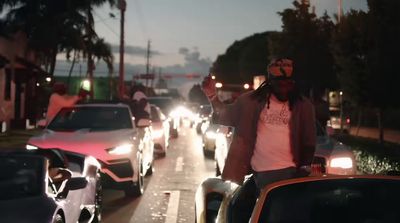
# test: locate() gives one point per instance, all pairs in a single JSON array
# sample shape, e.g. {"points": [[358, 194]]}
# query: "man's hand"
{"points": [[83, 93], [208, 87]]}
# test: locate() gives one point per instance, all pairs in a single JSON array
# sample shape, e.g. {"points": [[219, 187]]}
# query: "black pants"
{"points": [[268, 177]]}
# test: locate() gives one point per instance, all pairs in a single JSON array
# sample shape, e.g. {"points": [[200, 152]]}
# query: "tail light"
{"points": [[348, 120]]}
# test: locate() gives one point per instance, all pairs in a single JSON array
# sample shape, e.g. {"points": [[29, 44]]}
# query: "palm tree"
{"points": [[53, 27]]}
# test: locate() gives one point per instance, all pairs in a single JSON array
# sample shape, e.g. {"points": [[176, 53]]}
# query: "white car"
{"points": [[39, 186], [331, 156], [108, 133], [160, 130]]}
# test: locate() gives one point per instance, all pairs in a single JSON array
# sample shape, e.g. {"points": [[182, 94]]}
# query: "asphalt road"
{"points": [[169, 192]]}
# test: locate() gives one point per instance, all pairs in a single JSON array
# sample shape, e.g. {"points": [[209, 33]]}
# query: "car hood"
{"points": [[84, 142], [34, 209]]}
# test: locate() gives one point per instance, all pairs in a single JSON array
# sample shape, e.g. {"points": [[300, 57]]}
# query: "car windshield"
{"points": [[94, 118], [358, 200], [165, 104], [20, 177]]}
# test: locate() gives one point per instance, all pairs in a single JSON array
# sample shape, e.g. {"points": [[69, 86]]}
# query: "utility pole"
{"points": [[90, 64], [340, 10], [147, 64], [122, 7]]}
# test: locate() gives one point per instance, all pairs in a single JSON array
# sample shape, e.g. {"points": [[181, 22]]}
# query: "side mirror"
{"points": [[41, 124], [143, 123], [76, 183]]}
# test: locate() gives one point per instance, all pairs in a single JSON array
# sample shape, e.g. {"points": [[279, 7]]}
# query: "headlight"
{"points": [[211, 135], [121, 150], [342, 162], [31, 147]]}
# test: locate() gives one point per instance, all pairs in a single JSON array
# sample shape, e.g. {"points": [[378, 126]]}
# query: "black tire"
{"points": [[217, 170], [136, 189], [98, 200], [58, 219], [150, 170]]}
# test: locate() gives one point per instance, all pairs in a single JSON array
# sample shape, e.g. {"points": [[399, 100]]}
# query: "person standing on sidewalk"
{"points": [[275, 134]]}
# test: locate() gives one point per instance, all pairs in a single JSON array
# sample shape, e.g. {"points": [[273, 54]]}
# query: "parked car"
{"points": [[308, 199], [167, 106], [108, 133], [331, 156], [160, 130], [31, 193]]}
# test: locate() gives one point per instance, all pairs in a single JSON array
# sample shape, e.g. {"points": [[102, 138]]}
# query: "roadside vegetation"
{"points": [[373, 157]]}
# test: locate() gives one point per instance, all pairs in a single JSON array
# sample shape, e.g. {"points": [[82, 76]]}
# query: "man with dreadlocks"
{"points": [[274, 128]]}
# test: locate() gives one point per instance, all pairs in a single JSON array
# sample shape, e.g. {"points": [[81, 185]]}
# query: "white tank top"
{"points": [[273, 138]]}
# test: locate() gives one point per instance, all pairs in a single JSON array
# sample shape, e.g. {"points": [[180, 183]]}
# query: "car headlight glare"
{"points": [[121, 150], [342, 162], [157, 134], [31, 147], [211, 135]]}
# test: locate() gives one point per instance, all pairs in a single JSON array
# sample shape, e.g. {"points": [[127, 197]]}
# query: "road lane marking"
{"points": [[179, 164], [173, 205]]}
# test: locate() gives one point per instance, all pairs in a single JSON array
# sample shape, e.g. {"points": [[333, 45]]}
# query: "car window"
{"points": [[154, 114], [358, 200], [92, 119], [20, 177]]}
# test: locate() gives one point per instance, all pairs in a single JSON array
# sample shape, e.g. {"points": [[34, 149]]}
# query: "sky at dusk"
{"points": [[196, 29], [188, 35]]}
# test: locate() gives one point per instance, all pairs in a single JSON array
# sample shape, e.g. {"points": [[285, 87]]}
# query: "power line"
{"points": [[102, 20]]}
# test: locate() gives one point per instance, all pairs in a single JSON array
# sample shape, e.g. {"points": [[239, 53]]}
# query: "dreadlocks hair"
{"points": [[265, 90]]}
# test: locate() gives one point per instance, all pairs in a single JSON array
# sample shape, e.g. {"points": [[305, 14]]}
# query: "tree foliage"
{"points": [[58, 26], [305, 38], [196, 95], [243, 60]]}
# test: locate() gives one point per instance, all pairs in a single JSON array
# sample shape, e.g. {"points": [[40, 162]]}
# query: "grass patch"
{"points": [[371, 156]]}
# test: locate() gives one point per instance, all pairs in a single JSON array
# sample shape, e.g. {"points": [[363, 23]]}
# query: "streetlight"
{"points": [[48, 79], [246, 86], [86, 85], [213, 77]]}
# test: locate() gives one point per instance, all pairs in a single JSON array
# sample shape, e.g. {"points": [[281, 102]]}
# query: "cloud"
{"points": [[193, 63], [134, 50]]}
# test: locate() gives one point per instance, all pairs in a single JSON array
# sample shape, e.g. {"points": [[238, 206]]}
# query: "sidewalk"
{"points": [[389, 135], [16, 139]]}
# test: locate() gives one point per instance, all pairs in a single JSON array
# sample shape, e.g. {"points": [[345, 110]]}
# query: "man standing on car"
{"points": [[274, 128], [60, 99]]}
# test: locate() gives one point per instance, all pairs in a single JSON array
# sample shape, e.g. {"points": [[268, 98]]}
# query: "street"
{"points": [[169, 192]]}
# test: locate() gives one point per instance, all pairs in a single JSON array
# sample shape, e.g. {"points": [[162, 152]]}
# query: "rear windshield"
{"points": [[359, 200], [165, 104], [92, 119]]}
